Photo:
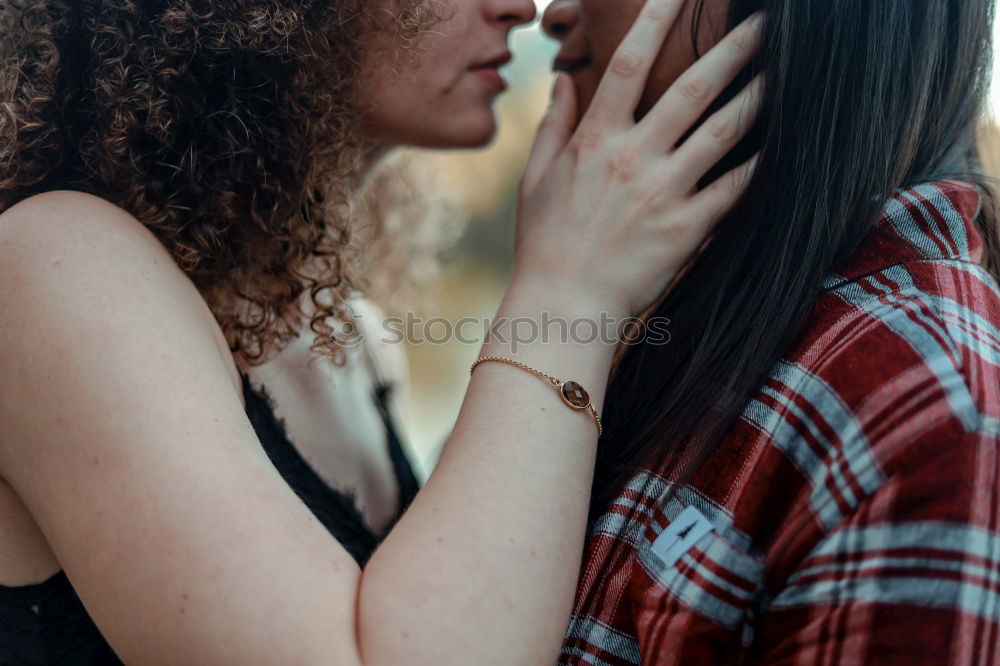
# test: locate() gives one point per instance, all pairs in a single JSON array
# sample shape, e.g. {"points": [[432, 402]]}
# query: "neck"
{"points": [[374, 152], [372, 162]]}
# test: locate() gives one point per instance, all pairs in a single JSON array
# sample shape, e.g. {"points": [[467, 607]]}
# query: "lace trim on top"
{"points": [[46, 624]]}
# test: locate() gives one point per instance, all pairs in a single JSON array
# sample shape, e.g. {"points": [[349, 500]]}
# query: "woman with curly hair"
{"points": [[176, 179]]}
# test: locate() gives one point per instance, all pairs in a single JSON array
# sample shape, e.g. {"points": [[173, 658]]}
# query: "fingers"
{"points": [[713, 202], [719, 133], [554, 132], [692, 93], [621, 87]]}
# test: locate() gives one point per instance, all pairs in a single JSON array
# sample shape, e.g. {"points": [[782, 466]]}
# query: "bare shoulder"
{"points": [[90, 299], [126, 443], [65, 221], [61, 245], [74, 265]]}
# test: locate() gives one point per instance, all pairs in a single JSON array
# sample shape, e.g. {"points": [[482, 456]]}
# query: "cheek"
{"points": [[606, 23], [427, 65], [427, 96], [414, 81], [603, 25], [431, 104], [675, 58], [679, 51]]}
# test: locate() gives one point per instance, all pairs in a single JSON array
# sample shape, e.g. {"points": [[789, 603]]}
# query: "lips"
{"points": [[495, 62], [492, 77], [489, 70], [570, 64]]}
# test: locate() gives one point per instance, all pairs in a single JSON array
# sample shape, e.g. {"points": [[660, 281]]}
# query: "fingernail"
{"points": [[758, 20]]}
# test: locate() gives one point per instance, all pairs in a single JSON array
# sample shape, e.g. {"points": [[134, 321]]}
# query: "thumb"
{"points": [[555, 131]]}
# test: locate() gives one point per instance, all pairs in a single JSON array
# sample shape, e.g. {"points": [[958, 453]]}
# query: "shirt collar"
{"points": [[930, 221]]}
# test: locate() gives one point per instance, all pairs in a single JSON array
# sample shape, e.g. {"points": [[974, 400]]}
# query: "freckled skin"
{"points": [[436, 100]]}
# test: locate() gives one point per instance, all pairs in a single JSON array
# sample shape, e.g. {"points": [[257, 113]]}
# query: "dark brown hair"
{"points": [[862, 98]]}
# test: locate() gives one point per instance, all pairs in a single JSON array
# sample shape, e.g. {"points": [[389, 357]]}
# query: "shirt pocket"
{"points": [[716, 579]]}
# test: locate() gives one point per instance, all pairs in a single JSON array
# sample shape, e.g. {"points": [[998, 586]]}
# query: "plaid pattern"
{"points": [[856, 502]]}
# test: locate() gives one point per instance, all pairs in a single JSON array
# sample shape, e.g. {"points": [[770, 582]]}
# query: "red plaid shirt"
{"points": [[852, 514]]}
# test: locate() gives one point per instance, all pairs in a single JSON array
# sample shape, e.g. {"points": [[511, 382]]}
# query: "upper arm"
{"points": [[125, 439]]}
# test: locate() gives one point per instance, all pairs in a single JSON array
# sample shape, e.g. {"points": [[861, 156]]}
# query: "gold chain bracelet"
{"points": [[572, 393]]}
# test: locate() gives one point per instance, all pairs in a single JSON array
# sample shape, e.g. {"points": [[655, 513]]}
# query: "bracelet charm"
{"points": [[574, 395]]}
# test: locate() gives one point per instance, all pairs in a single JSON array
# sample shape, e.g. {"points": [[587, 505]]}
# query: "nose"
{"points": [[512, 12], [560, 18]]}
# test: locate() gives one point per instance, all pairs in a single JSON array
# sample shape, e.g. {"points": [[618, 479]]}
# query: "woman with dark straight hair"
{"points": [[808, 471]]}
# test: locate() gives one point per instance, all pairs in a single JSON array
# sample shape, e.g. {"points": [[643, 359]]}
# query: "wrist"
{"points": [[565, 340], [569, 299]]}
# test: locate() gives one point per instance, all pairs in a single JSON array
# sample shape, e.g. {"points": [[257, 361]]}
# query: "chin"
{"points": [[473, 130], [477, 139]]}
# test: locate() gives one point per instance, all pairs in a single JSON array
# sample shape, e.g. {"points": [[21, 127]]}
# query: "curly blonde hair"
{"points": [[230, 128]]}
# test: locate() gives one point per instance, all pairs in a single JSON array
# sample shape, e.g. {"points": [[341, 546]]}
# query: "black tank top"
{"points": [[46, 624]]}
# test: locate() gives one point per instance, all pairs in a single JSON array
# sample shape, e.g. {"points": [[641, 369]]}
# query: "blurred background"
{"points": [[478, 188]]}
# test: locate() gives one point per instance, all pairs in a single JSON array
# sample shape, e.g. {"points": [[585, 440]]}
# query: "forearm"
{"points": [[483, 567]]}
